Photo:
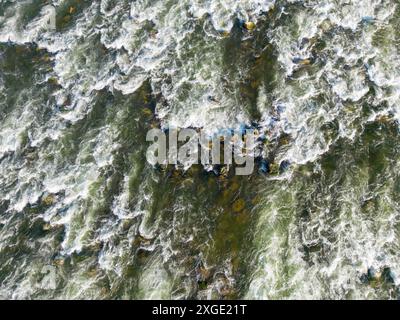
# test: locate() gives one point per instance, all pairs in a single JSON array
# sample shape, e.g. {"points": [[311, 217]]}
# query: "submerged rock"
{"points": [[274, 168], [225, 33], [285, 164], [381, 278], [238, 205], [147, 112], [53, 81], [59, 262], [302, 61], [49, 200], [249, 25]]}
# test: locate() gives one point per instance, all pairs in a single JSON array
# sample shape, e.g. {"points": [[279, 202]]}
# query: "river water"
{"points": [[80, 203]]}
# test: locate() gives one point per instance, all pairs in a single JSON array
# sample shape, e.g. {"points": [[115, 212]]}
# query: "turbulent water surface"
{"points": [[79, 200]]}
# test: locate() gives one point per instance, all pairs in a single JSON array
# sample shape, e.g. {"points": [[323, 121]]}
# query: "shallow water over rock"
{"points": [[319, 216]]}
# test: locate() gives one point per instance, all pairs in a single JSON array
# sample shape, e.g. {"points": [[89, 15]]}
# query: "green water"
{"points": [[78, 197]]}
